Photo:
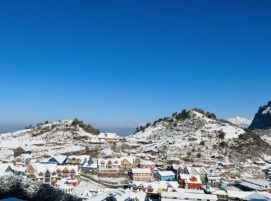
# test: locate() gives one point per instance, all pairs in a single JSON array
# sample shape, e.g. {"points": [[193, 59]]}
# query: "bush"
{"points": [[202, 143], [223, 144], [183, 115], [221, 135], [198, 155]]}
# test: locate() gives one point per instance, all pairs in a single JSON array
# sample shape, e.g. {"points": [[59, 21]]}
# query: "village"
{"points": [[112, 166]]}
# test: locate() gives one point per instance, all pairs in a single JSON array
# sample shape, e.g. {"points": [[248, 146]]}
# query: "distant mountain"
{"points": [[240, 121], [262, 119]]}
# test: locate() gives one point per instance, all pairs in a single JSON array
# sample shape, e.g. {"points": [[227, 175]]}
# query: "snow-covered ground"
{"points": [[49, 139], [195, 135]]}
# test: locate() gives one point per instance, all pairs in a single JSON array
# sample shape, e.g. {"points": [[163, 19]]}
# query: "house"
{"points": [[66, 185], [248, 195], [42, 173], [177, 169], [23, 159], [79, 160], [19, 170], [190, 181], [127, 163], [201, 171], [51, 173], [5, 168], [155, 187], [90, 168], [147, 164], [109, 166], [109, 137], [165, 175], [141, 174], [259, 196], [213, 178], [116, 165], [59, 160]]}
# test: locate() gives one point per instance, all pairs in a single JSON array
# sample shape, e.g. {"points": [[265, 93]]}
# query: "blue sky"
{"points": [[118, 64]]}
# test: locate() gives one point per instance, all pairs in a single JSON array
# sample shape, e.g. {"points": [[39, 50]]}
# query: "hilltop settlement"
{"points": [[191, 155]]}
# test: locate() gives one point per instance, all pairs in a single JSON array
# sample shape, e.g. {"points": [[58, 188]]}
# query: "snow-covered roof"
{"points": [[39, 167], [141, 171], [114, 161], [258, 182], [256, 196], [239, 194], [146, 162], [4, 167], [250, 185], [166, 173], [155, 185], [81, 158], [59, 158], [190, 178], [25, 156], [189, 196]]}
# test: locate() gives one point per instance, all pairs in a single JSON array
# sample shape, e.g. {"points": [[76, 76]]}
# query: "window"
{"points": [[47, 174]]}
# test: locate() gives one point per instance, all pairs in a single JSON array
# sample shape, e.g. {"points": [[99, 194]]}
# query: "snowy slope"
{"points": [[195, 135], [48, 139], [196, 125]]}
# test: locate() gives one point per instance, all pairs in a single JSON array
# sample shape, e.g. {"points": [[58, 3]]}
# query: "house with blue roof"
{"points": [[165, 175]]}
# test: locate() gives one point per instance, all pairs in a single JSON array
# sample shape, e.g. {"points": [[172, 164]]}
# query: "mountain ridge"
{"points": [[194, 134], [262, 119]]}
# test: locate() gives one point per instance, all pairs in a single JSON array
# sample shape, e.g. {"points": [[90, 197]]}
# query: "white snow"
{"points": [[240, 121], [267, 110]]}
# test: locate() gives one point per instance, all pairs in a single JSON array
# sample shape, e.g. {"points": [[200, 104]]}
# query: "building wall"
{"points": [[147, 166], [193, 186], [146, 178], [167, 178]]}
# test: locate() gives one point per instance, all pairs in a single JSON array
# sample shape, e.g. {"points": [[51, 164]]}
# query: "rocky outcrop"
{"points": [[262, 119], [18, 187]]}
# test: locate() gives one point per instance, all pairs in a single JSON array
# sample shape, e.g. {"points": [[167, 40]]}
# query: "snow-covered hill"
{"points": [[194, 123], [240, 121], [193, 135], [51, 138]]}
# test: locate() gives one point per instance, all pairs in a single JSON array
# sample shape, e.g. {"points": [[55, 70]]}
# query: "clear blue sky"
{"points": [[122, 63]]}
